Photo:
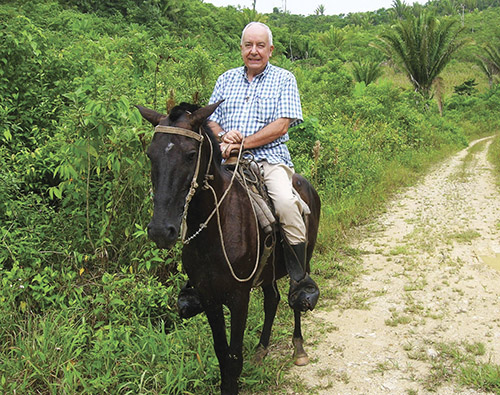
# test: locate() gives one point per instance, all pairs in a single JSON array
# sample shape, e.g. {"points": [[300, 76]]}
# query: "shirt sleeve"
{"points": [[289, 103]]}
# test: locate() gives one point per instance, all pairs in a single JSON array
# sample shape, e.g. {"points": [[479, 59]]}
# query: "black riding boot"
{"points": [[188, 302], [304, 293]]}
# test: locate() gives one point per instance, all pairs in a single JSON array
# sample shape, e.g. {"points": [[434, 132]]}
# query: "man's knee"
{"points": [[288, 209]]}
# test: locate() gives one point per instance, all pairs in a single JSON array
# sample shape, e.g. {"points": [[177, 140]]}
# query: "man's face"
{"points": [[255, 49]]}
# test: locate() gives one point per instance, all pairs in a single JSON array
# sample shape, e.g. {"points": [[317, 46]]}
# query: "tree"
{"points": [[334, 38], [366, 71], [400, 9], [320, 10], [450, 7], [422, 46], [490, 62], [247, 15]]}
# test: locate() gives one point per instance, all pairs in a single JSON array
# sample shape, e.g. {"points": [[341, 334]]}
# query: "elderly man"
{"points": [[261, 102]]}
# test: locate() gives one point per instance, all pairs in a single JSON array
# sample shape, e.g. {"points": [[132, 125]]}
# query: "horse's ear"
{"points": [[200, 115], [150, 115]]}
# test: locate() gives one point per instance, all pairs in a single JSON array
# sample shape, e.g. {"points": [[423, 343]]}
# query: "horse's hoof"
{"points": [[301, 360], [260, 354]]}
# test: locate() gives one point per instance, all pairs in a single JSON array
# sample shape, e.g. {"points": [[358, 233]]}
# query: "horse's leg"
{"points": [[300, 356], [271, 301], [234, 365], [215, 317]]}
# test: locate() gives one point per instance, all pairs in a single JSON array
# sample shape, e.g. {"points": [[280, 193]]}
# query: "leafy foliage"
{"points": [[422, 46], [87, 303], [467, 88], [366, 72], [489, 62]]}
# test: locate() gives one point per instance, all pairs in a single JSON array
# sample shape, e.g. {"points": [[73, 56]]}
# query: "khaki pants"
{"points": [[278, 180]]}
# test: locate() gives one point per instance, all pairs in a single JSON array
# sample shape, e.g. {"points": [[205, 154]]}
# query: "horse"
{"points": [[197, 199]]}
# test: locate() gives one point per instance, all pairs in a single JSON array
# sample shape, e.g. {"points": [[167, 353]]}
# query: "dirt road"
{"points": [[428, 295]]}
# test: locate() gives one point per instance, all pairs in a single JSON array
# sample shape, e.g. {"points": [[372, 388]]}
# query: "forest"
{"points": [[87, 302]]}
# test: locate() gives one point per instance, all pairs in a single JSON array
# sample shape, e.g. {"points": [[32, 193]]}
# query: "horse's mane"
{"points": [[181, 109], [184, 107]]}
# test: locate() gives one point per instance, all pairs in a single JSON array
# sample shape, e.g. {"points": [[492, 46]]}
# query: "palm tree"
{"points": [[471, 5], [366, 71], [490, 62], [320, 10], [248, 15], [333, 38], [422, 46], [400, 9], [450, 7]]}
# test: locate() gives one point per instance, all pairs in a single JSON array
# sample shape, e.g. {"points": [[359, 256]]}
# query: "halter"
{"points": [[192, 190], [179, 131], [194, 184]]}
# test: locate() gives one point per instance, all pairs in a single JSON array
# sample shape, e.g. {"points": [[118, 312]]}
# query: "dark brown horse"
{"points": [[222, 240]]}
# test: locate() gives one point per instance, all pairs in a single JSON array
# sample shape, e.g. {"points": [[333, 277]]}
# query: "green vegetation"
{"points": [[463, 360], [494, 157], [422, 46], [87, 303]]}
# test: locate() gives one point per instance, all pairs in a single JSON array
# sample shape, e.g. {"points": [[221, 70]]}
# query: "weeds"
{"points": [[459, 362], [466, 236], [398, 319]]}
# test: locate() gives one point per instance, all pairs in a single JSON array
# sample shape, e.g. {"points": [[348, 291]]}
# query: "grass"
{"points": [[465, 237], [494, 157], [64, 352], [461, 362], [463, 174], [67, 352], [398, 319]]}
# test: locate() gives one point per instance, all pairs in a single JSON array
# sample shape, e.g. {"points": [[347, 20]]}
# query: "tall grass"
{"points": [[64, 352], [76, 319], [494, 156]]}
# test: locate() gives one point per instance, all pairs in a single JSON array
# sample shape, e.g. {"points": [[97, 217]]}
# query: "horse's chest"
{"points": [[209, 267]]}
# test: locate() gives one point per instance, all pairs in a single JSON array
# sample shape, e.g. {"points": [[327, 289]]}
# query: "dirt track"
{"points": [[425, 283]]}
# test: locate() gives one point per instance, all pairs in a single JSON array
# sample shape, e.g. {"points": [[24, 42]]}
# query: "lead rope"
{"points": [[218, 203]]}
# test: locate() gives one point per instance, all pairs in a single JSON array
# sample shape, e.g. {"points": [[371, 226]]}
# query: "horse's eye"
{"points": [[191, 156]]}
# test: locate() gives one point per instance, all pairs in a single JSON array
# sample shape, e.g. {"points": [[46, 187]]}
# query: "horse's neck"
{"points": [[212, 186]]}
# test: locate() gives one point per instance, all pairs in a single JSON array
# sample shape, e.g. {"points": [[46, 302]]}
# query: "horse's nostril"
{"points": [[171, 232], [162, 234]]}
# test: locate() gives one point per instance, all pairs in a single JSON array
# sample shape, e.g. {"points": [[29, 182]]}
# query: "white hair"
{"points": [[269, 32]]}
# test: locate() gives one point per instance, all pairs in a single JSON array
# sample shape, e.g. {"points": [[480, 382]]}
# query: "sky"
{"points": [[307, 7]]}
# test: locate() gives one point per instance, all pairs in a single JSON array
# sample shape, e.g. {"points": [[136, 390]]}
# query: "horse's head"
{"points": [[173, 152]]}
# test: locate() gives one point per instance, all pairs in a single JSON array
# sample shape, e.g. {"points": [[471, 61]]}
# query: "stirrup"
{"points": [[304, 294]]}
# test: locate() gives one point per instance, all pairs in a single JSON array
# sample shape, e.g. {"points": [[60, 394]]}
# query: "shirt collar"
{"points": [[260, 75]]}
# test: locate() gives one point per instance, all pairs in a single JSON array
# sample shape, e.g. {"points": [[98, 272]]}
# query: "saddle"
{"points": [[250, 175]]}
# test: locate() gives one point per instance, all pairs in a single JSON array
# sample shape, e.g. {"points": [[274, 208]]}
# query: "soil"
{"points": [[428, 282]]}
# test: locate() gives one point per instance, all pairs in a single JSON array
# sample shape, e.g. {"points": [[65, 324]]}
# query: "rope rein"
{"points": [[206, 186]]}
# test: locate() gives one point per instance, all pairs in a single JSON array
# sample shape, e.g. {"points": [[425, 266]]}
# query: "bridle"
{"points": [[194, 183], [192, 190]]}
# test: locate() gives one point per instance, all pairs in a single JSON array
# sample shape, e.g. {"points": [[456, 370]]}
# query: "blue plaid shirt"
{"points": [[249, 106]]}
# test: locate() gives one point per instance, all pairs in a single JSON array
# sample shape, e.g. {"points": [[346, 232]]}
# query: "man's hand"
{"points": [[231, 141], [232, 137], [227, 148]]}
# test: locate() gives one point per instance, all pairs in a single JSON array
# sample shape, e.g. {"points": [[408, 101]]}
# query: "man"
{"points": [[261, 101]]}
